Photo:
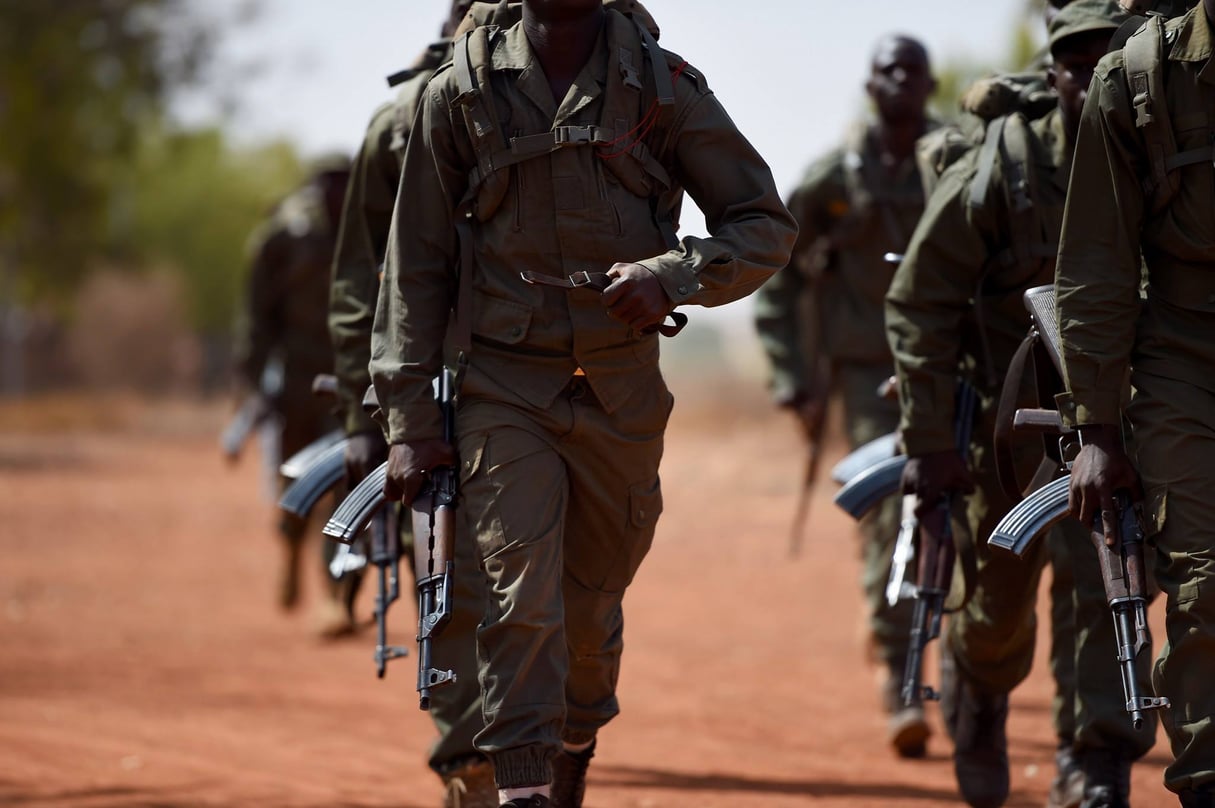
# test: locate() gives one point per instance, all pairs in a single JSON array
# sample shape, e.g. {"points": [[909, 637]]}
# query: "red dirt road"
{"points": [[144, 663]]}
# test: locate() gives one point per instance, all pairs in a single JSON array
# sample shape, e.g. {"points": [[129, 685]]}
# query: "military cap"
{"points": [[1082, 17], [330, 163]]}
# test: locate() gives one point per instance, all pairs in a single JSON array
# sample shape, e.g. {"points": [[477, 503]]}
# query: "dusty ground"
{"points": [[144, 664]]}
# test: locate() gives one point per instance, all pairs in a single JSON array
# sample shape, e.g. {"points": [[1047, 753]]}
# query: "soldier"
{"points": [[955, 307], [287, 301], [1143, 158], [467, 776], [562, 407], [821, 320]]}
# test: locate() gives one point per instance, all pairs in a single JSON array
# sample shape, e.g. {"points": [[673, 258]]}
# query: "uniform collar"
{"points": [[514, 53], [1194, 42]]}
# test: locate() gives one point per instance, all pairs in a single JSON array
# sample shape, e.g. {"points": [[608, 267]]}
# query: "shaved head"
{"points": [[900, 78]]}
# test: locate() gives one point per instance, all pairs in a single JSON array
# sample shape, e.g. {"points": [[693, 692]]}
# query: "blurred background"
{"points": [[141, 141]]}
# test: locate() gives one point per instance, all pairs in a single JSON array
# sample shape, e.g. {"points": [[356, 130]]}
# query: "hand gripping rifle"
{"points": [[434, 531], [936, 558]]}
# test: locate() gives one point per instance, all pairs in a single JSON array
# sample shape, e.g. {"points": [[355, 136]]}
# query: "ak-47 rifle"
{"points": [[936, 558], [254, 411], [865, 456], [434, 531]]}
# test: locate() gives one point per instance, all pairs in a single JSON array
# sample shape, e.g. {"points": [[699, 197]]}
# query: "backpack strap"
{"points": [[1144, 58]]}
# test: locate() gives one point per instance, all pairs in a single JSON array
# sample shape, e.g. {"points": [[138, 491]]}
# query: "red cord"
{"points": [[644, 125]]}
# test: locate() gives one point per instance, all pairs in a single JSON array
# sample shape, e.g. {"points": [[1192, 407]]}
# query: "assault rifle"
{"points": [[1121, 560], [434, 532], [864, 491], [936, 558]]}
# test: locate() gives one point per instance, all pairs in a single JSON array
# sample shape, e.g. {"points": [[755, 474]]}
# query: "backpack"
{"points": [[1145, 61]]}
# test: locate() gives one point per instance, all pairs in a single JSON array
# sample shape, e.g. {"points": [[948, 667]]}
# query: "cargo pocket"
{"points": [[499, 320], [1155, 509], [645, 504]]}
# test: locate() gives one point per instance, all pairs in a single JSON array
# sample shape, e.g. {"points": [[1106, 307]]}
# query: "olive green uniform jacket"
{"points": [[287, 301], [558, 469], [955, 309], [1169, 344], [828, 304]]}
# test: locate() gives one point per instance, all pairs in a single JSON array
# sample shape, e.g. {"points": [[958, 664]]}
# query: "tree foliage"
{"points": [[79, 81]]}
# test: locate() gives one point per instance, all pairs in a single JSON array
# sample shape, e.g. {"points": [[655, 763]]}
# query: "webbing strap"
{"points": [[987, 163], [663, 84], [1191, 157], [1144, 57]]}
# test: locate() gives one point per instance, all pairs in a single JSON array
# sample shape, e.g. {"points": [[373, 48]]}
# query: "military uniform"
{"points": [[366, 217], [287, 300], [955, 307], [1167, 345], [828, 303], [562, 408]]}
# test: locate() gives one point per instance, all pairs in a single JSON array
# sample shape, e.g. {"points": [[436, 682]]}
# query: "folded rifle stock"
{"points": [[864, 457], [863, 492]]}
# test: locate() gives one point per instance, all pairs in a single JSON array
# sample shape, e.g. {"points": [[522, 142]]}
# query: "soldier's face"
{"points": [[1072, 73], [560, 10], [901, 79]]}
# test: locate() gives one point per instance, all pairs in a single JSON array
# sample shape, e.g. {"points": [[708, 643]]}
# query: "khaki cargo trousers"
{"points": [[563, 504], [1174, 429]]}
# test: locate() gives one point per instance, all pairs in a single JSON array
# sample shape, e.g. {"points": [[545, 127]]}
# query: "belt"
{"points": [[598, 281]]}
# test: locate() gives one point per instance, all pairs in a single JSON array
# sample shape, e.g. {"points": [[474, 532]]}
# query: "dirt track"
{"points": [[144, 664]]}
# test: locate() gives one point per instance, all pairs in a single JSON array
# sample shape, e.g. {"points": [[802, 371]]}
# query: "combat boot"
{"points": [[1067, 789], [1197, 798], [1107, 779], [528, 802], [470, 786], [980, 754], [569, 777]]}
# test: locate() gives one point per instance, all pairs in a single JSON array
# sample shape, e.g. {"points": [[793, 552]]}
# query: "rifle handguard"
{"points": [[320, 477], [1032, 517], [865, 456], [358, 507], [864, 491]]}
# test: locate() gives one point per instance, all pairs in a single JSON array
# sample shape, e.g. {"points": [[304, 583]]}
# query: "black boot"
{"points": [[528, 802], [1067, 789], [1107, 779], [569, 777], [980, 754], [1198, 798]]}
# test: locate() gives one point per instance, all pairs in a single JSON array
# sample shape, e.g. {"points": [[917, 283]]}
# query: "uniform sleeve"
{"points": [[417, 292], [752, 233], [260, 328], [1098, 274], [362, 239], [929, 301], [785, 314]]}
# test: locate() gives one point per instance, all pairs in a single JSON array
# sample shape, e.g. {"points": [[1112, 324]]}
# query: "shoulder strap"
{"points": [[1144, 58]]}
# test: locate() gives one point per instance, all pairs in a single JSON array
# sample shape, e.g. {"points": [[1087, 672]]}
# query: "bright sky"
{"points": [[790, 72]]}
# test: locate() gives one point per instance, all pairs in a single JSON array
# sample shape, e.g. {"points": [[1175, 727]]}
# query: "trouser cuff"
{"points": [[524, 767]]}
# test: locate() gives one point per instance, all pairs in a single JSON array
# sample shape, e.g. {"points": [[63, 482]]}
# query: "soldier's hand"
{"points": [[365, 451], [932, 476], [636, 297], [1101, 470], [810, 410], [408, 465]]}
